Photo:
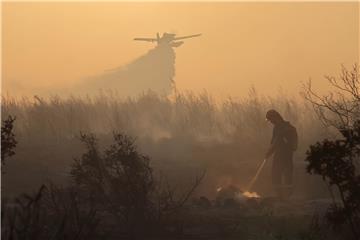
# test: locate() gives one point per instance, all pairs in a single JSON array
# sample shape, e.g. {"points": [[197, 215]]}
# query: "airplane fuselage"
{"points": [[167, 39]]}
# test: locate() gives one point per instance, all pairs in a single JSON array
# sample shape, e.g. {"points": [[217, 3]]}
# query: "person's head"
{"points": [[274, 117]]}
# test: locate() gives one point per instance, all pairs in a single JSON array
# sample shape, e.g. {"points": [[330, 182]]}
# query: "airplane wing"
{"points": [[190, 36], [145, 39]]}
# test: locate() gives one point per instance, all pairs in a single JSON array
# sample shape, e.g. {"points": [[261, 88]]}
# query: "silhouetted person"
{"points": [[283, 144]]}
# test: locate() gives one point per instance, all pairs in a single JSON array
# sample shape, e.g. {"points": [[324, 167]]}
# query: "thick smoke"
{"points": [[153, 71]]}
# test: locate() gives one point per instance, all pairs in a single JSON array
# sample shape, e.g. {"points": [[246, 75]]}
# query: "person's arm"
{"points": [[270, 152], [271, 149]]}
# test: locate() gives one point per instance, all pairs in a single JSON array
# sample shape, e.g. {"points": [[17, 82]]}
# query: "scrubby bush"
{"points": [[8, 141], [120, 181], [337, 160]]}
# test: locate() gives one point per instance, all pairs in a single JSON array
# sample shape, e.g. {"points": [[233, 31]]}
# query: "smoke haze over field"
{"points": [[181, 136], [50, 46], [153, 71]]}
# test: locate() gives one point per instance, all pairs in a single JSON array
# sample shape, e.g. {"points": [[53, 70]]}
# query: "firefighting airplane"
{"points": [[167, 38]]}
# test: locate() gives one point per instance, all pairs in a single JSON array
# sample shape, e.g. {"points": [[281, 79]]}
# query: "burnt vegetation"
{"points": [[51, 213]]}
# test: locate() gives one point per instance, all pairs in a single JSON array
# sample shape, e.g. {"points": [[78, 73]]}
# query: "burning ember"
{"points": [[251, 194], [232, 192]]}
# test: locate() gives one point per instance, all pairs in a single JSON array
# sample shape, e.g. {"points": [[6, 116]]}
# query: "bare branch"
{"points": [[340, 108]]}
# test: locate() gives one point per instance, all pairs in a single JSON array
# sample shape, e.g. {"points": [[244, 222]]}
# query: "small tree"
{"points": [[337, 160], [120, 179], [8, 141], [334, 161]]}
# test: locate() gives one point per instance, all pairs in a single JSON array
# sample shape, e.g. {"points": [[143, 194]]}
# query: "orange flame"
{"points": [[251, 194]]}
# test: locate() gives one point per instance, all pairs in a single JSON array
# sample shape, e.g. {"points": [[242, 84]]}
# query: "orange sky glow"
{"points": [[265, 45]]}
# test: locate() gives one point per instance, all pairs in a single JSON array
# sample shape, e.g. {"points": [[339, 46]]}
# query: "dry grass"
{"points": [[183, 134]]}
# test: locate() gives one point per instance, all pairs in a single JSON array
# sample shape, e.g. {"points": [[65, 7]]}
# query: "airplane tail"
{"points": [[158, 37]]}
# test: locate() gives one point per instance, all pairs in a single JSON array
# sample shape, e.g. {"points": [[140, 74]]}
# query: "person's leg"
{"points": [[288, 177], [276, 177]]}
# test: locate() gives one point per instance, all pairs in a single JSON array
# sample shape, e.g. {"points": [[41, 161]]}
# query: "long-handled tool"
{"points": [[253, 180]]}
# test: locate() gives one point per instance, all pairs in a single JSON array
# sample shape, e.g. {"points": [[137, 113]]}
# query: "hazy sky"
{"points": [[267, 45]]}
